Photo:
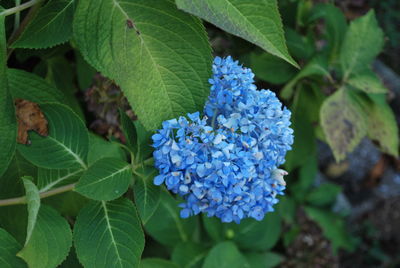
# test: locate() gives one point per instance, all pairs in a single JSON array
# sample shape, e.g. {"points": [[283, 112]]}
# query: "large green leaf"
{"points": [[258, 22], [8, 251], [166, 226], [343, 122], [33, 203], [109, 234], [362, 43], [158, 55], [8, 123], [66, 146], [107, 179], [51, 26], [29, 86], [147, 195], [50, 242], [225, 255]]}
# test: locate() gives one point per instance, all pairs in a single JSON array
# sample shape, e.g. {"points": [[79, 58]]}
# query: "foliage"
{"points": [[72, 198]]}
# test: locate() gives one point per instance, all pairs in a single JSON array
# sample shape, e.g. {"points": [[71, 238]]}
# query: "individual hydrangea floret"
{"points": [[225, 164]]}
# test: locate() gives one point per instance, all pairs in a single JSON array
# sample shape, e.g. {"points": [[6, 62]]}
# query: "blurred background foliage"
{"points": [[342, 207]]}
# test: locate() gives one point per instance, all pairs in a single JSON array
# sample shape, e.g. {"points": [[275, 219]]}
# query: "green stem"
{"points": [[22, 199], [17, 16], [19, 8]]}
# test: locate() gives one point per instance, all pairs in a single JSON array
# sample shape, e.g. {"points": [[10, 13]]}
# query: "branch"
{"points": [[22, 199], [19, 8]]}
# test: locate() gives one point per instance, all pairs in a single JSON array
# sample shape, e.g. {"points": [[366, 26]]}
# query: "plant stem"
{"points": [[19, 8], [17, 16], [22, 199]]}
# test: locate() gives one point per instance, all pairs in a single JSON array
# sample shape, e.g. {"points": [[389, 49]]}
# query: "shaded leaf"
{"points": [[107, 179], [263, 260], [324, 194], [271, 69], [48, 179], [101, 148], [8, 123], [189, 254], [157, 263], [109, 234], [343, 122], [50, 242], [133, 47], [8, 251], [225, 255], [51, 26], [28, 86], [166, 226], [258, 22], [147, 195], [66, 146], [332, 226]]}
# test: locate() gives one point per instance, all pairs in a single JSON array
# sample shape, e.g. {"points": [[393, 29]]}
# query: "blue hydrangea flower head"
{"points": [[225, 164]]}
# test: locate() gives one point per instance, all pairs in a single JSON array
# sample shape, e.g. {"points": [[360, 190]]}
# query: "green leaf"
{"points": [[382, 126], [134, 47], [166, 226], [50, 241], [214, 228], [109, 234], [48, 179], [271, 69], [307, 173], [256, 235], [343, 122], [147, 195], [28, 86], [317, 66], [157, 263], [333, 227], [8, 250], [367, 81], [263, 260], [301, 47], [258, 22], [287, 209], [225, 255], [66, 146], [107, 179], [324, 194], [189, 254], [51, 26], [335, 25], [8, 123], [362, 43], [33, 203], [10, 182], [129, 130], [14, 220], [302, 115], [101, 148], [67, 204], [84, 72]]}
